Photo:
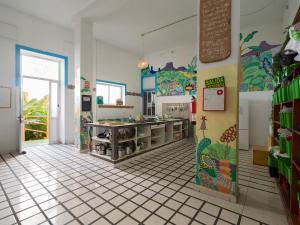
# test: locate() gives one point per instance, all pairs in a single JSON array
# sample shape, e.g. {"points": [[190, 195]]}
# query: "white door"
{"points": [[39, 98], [54, 112]]}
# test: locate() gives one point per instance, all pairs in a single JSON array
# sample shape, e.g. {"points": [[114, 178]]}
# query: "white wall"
{"points": [[270, 32], [118, 65], [18, 28], [180, 56], [260, 108], [290, 12], [260, 103]]}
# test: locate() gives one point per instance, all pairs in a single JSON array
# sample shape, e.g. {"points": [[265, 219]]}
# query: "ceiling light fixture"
{"points": [[142, 64]]}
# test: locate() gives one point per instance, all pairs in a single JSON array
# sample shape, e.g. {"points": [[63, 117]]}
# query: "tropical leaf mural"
{"points": [[257, 64], [171, 81], [216, 162]]}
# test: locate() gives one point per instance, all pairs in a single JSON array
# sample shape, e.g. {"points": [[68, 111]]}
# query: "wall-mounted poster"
{"points": [[256, 62], [172, 81], [214, 99]]}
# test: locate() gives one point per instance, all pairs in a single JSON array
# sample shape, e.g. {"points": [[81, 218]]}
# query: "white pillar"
{"points": [[217, 131], [84, 79]]}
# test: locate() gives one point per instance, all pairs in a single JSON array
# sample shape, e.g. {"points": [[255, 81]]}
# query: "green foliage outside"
{"points": [[35, 112]]}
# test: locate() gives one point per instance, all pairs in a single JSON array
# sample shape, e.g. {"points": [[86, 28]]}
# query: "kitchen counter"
{"points": [[120, 124], [152, 134]]}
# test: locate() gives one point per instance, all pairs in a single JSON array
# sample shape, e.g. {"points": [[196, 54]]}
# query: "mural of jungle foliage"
{"points": [[257, 64], [216, 162], [171, 81], [35, 112]]}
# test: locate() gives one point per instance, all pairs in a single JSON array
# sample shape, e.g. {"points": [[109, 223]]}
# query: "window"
{"points": [[149, 103], [37, 67], [111, 92]]}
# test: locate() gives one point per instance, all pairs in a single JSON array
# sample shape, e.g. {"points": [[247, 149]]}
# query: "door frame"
{"points": [[19, 49]]}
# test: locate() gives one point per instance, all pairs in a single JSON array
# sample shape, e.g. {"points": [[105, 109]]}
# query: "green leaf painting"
{"points": [[255, 48], [172, 81], [218, 152], [216, 162], [257, 64], [250, 36]]}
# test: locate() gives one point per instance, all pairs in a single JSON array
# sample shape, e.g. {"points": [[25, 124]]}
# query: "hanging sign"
{"points": [[215, 82], [215, 30]]}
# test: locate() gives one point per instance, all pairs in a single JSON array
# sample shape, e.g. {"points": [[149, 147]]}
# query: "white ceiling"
{"points": [[56, 11], [121, 22], [124, 26], [261, 11]]}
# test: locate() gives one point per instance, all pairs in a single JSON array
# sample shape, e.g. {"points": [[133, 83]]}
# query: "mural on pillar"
{"points": [[216, 151], [256, 60], [172, 81], [82, 136], [216, 162]]}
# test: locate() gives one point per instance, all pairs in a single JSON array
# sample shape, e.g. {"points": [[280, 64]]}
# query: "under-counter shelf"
{"points": [[126, 140], [177, 131], [157, 136], [161, 126], [105, 140], [142, 137]]}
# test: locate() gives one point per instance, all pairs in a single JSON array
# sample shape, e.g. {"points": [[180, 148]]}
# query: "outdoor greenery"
{"points": [[36, 115]]}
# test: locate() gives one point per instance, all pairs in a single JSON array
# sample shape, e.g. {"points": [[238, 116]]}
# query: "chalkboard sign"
{"points": [[215, 30], [215, 82], [214, 99], [86, 103]]}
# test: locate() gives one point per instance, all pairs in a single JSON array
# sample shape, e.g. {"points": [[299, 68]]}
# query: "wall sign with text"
{"points": [[215, 30], [215, 82], [214, 99]]}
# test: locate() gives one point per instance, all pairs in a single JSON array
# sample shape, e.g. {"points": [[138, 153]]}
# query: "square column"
{"points": [[217, 114], [84, 81]]}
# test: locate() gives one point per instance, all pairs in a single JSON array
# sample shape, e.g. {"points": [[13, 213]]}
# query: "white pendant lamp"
{"points": [[142, 64]]}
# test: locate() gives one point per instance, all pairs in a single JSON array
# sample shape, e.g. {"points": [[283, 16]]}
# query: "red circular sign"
{"points": [[219, 92]]}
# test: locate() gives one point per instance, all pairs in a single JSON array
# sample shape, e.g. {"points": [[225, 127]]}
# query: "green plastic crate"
{"points": [[282, 143], [282, 119], [287, 172], [282, 165], [288, 120], [289, 147], [272, 161]]}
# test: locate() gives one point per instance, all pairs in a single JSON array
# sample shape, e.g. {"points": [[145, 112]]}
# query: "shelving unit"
{"points": [[147, 136], [177, 130], [289, 190], [157, 135], [185, 129]]}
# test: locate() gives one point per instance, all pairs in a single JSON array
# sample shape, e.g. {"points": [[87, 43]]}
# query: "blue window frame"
{"points": [[111, 91], [19, 48]]}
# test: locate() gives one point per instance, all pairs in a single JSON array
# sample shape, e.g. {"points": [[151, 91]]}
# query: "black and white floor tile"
{"points": [[57, 185]]}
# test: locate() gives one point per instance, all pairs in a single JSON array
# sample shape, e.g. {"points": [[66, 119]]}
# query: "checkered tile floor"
{"points": [[57, 185]]}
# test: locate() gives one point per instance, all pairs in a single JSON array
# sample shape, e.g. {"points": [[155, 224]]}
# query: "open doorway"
{"points": [[41, 78]]}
